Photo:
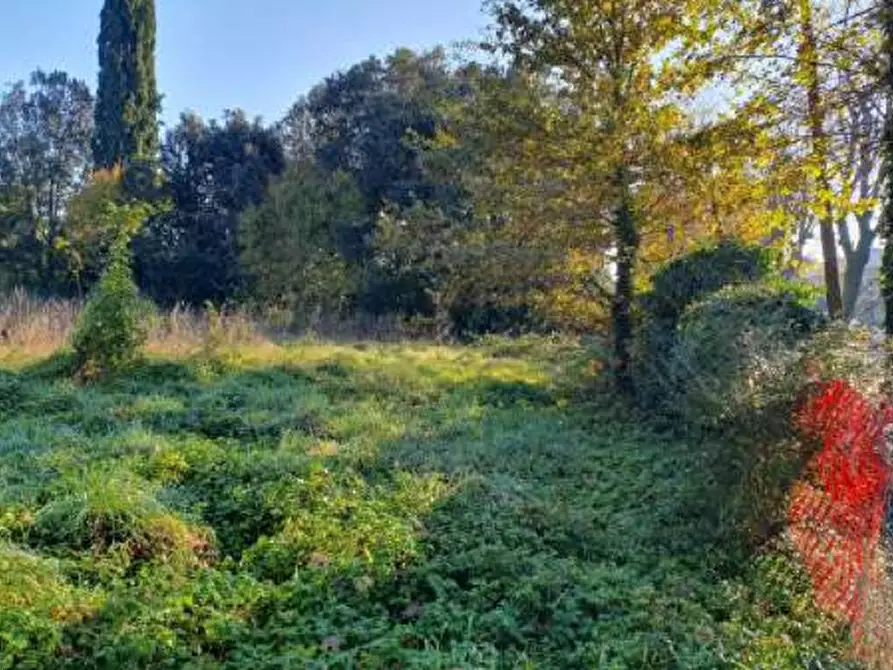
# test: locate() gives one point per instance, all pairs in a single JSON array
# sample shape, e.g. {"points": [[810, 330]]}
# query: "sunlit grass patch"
{"points": [[104, 511], [340, 520]]}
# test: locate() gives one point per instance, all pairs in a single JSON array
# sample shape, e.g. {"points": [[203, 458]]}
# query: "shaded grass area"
{"points": [[401, 506]]}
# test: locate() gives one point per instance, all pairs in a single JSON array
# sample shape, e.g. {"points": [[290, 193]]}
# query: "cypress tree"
{"points": [[127, 103]]}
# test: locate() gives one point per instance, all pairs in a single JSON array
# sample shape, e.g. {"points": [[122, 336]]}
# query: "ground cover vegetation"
{"points": [[564, 426], [406, 505]]}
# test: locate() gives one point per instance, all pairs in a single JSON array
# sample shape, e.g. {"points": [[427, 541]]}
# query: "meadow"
{"points": [[372, 505]]}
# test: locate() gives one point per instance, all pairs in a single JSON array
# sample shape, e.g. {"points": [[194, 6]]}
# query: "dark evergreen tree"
{"points": [[127, 99], [213, 173]]}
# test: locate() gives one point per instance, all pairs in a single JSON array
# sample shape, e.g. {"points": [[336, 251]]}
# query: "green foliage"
{"points": [[721, 352], [733, 348], [213, 172], [127, 101], [341, 521], [99, 217], [679, 284], [779, 591], [693, 277], [371, 121], [114, 513], [373, 506], [606, 134], [111, 330], [36, 603], [45, 133], [736, 369], [290, 243]]}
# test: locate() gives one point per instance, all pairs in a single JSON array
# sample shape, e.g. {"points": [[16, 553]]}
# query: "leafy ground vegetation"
{"points": [[374, 506]]}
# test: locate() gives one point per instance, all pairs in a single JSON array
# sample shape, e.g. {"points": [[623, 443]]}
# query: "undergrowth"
{"points": [[373, 506]]}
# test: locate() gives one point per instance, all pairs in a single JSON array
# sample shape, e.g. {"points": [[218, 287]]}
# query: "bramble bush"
{"points": [[736, 369], [36, 604], [722, 352], [116, 513]]}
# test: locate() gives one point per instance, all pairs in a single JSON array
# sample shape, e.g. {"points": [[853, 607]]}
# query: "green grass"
{"points": [[373, 506]]}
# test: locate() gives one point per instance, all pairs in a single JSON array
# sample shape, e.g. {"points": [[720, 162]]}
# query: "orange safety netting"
{"points": [[837, 511]]}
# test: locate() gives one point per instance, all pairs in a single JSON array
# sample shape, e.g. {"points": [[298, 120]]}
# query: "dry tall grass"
{"points": [[32, 327], [185, 330]]}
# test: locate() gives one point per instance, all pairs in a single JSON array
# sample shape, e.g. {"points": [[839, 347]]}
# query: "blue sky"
{"points": [[259, 55]]}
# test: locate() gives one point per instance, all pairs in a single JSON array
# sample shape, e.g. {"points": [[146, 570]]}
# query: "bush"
{"points": [[112, 330], [675, 287], [736, 367], [468, 321], [695, 276], [737, 351]]}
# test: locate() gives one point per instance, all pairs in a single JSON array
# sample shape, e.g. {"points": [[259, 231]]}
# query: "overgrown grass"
{"points": [[373, 506], [31, 327]]}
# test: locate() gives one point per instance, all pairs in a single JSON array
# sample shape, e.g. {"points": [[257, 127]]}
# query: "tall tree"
{"points": [[812, 63], [127, 99], [605, 142], [214, 172], [809, 73], [45, 132], [290, 242], [363, 121], [860, 126], [372, 122]]}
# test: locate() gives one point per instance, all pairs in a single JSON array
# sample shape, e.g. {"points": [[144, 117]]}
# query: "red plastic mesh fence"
{"points": [[837, 510]]}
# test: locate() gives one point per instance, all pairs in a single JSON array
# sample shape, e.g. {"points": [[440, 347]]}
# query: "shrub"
{"points": [[111, 329], [737, 351], [691, 278], [736, 367], [675, 287], [469, 320]]}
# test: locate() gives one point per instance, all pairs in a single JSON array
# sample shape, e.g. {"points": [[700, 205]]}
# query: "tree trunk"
{"points": [[854, 275], [857, 258], [627, 238], [809, 62], [887, 224]]}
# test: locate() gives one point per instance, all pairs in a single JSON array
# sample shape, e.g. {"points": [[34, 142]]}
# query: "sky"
{"points": [[259, 55]]}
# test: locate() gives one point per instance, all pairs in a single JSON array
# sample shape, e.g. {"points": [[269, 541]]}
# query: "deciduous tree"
{"points": [[602, 145], [45, 131], [290, 243], [214, 172]]}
